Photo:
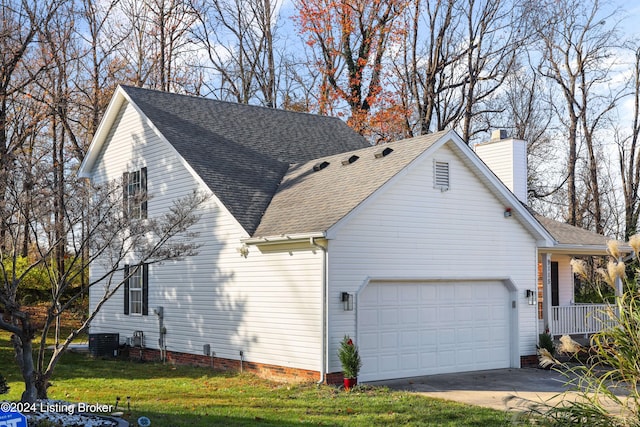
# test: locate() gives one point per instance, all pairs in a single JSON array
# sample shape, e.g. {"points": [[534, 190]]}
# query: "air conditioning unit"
{"points": [[138, 339], [104, 345]]}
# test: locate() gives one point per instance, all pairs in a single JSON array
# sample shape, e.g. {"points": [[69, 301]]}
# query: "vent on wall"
{"points": [[441, 175], [319, 166]]}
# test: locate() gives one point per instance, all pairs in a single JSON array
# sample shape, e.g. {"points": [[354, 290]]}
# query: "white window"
{"points": [[135, 292], [135, 193], [441, 175], [136, 289]]}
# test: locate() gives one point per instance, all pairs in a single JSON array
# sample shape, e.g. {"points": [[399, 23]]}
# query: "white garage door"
{"points": [[410, 329]]}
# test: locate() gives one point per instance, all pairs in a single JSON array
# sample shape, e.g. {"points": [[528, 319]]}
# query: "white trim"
{"points": [[117, 100]]}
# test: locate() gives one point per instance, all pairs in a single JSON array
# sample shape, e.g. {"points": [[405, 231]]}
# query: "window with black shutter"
{"points": [[136, 289], [134, 186]]}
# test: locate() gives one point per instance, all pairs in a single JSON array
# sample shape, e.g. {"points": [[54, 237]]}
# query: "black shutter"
{"points": [[145, 289], [143, 193], [126, 289], [125, 194], [555, 294]]}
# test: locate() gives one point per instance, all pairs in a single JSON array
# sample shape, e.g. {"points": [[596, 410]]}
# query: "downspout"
{"points": [[325, 310]]}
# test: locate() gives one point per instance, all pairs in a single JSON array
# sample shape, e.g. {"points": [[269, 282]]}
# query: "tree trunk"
{"points": [[23, 347]]}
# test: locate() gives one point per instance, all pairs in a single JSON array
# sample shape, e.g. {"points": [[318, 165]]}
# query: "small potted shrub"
{"points": [[350, 360]]}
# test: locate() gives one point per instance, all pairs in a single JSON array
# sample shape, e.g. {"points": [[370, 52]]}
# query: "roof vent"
{"points": [[319, 166], [350, 160], [383, 153]]}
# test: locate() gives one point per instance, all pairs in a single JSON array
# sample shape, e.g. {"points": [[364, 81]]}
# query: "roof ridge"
{"points": [[239, 104]]}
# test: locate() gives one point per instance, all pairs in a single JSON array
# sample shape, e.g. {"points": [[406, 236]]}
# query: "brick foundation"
{"points": [[334, 378], [529, 361], [263, 370]]}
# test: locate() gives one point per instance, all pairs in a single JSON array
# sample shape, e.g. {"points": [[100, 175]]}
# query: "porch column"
{"points": [[545, 259], [619, 285]]}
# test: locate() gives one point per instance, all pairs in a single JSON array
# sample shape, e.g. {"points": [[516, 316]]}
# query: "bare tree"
{"points": [[110, 238], [629, 157], [526, 100], [19, 66], [576, 46], [152, 39], [239, 38], [454, 58]]}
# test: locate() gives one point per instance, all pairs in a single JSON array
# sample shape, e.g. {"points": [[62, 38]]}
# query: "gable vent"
{"points": [[441, 175], [384, 152], [319, 166], [350, 160]]}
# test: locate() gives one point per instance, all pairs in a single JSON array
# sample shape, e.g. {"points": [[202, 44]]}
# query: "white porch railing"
{"points": [[580, 318]]}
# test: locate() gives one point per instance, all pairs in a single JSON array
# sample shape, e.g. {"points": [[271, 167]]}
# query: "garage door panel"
{"points": [[389, 295], [463, 314], [409, 340], [409, 294], [410, 361], [389, 341], [428, 328], [368, 316], [446, 314], [428, 294], [409, 316], [368, 343], [389, 317], [428, 314]]}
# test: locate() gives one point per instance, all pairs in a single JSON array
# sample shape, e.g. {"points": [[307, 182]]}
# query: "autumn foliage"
{"points": [[349, 39]]}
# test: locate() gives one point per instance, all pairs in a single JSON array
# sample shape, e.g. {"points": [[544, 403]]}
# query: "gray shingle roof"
{"points": [[240, 151], [312, 201], [566, 234]]}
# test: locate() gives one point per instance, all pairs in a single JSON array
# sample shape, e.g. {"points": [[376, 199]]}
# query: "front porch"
{"points": [[583, 319], [558, 313]]}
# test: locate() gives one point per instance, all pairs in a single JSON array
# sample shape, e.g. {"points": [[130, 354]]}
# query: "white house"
{"points": [[415, 248]]}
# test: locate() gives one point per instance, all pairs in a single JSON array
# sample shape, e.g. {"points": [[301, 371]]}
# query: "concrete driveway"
{"points": [[487, 388]]}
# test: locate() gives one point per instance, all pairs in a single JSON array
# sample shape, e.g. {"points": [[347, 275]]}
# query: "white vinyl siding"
{"points": [[411, 230], [266, 305]]}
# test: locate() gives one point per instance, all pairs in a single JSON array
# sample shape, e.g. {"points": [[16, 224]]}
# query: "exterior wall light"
{"points": [[507, 213], [347, 301], [531, 297]]}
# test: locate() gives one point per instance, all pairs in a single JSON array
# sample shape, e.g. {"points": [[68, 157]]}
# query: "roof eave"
{"points": [[569, 249], [284, 238], [86, 167]]}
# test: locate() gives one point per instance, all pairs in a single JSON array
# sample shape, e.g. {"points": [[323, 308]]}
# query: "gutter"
{"points": [[325, 310], [285, 238]]}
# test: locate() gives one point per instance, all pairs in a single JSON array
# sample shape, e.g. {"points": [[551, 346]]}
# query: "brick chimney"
{"points": [[507, 158]]}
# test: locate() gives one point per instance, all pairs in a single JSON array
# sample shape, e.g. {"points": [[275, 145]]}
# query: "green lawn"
{"points": [[187, 396]]}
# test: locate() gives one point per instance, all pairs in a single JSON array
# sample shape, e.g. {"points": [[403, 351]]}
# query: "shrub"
{"points": [[546, 341], [349, 358]]}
